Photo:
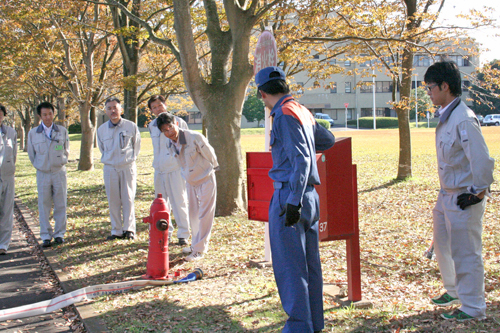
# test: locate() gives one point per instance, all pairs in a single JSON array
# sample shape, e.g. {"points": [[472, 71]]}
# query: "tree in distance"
{"points": [[254, 109], [424, 104], [485, 90]]}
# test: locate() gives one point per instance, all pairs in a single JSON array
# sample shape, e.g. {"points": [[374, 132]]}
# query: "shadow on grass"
{"points": [[425, 321], [386, 185], [169, 316]]}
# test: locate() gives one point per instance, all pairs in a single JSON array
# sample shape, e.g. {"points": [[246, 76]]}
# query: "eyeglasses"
{"points": [[167, 127], [431, 86]]}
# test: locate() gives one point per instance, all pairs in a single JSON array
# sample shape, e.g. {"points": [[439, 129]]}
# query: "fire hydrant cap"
{"points": [[162, 225]]}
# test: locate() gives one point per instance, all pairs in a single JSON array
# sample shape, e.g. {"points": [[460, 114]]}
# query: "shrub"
{"points": [[324, 123], [75, 128], [382, 122]]}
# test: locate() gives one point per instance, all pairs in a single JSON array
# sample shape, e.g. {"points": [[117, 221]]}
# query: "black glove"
{"points": [[292, 214], [467, 199]]}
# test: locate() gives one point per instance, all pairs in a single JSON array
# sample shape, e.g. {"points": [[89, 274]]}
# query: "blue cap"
{"points": [[263, 76]]}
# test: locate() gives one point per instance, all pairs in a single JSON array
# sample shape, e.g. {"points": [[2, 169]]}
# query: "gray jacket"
{"points": [[464, 163], [8, 152], [120, 144], [196, 157], [163, 159], [48, 155]]}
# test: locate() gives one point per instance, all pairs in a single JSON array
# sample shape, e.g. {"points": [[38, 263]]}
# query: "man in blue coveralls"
{"points": [[294, 208]]}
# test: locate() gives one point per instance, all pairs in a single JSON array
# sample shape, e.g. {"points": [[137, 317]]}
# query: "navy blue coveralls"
{"points": [[295, 137]]}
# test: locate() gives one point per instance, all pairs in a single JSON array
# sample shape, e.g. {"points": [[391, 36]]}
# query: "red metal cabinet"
{"points": [[338, 201]]}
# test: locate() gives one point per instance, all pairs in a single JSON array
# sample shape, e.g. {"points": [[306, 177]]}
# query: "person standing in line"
{"points": [[294, 207], [465, 172], [119, 141], [198, 163], [8, 154], [48, 151], [167, 179]]}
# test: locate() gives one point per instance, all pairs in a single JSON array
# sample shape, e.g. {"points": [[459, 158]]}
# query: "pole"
{"points": [[357, 119], [346, 117], [416, 103], [428, 116], [374, 112]]}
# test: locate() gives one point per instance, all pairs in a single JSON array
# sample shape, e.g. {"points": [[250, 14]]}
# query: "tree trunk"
{"points": [[93, 121], [130, 103], [224, 123], [20, 135], [86, 151], [131, 54], [404, 166], [27, 126], [221, 100], [61, 112]]}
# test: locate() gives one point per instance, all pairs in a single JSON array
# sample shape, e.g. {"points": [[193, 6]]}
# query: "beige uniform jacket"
{"points": [[464, 163], [164, 160], [120, 144], [196, 156], [48, 154], [8, 151]]}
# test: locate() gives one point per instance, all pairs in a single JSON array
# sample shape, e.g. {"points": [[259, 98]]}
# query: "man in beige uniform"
{"points": [[199, 163], [48, 150], [168, 180], [465, 173], [119, 141], [8, 153]]}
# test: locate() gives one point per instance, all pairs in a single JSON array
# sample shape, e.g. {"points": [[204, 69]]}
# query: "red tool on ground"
{"points": [[158, 264]]}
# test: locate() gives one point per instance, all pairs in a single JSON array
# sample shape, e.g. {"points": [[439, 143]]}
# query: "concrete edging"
{"points": [[85, 311]]}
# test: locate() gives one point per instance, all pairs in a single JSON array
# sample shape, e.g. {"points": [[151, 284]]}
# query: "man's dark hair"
{"points": [[3, 109], [112, 99], [164, 119], [275, 87], [44, 105], [445, 71], [155, 98]]}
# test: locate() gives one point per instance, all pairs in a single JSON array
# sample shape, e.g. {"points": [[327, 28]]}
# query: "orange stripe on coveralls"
{"points": [[300, 113]]}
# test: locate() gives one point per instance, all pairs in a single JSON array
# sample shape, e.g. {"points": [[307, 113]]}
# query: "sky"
{"points": [[485, 36]]}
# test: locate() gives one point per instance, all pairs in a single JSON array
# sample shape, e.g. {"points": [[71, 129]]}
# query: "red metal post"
{"points": [[352, 249]]}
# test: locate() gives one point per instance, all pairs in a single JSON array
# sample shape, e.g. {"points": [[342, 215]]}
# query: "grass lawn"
{"points": [[395, 226]]}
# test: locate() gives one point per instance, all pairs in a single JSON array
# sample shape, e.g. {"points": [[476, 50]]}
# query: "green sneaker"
{"points": [[458, 315], [445, 300]]}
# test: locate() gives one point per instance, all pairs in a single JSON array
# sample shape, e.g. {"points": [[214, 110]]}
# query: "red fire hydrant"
{"points": [[157, 267]]}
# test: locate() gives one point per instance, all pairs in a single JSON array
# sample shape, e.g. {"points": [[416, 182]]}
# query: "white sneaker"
{"points": [[194, 256], [187, 250]]}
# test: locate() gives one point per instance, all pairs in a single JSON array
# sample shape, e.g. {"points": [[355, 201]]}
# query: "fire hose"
{"points": [[89, 293]]}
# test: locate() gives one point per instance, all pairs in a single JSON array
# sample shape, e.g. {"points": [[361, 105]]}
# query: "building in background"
{"points": [[330, 96], [342, 89]]}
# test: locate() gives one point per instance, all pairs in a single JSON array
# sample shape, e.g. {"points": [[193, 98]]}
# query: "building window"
{"points": [[368, 112], [465, 85], [461, 61], [380, 87], [419, 84], [347, 63], [333, 87], [348, 87], [335, 113], [300, 86], [366, 88], [316, 56], [333, 61], [195, 118], [368, 63], [422, 61], [383, 86]]}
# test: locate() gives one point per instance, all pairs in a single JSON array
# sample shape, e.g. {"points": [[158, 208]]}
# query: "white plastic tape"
{"points": [[76, 296]]}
